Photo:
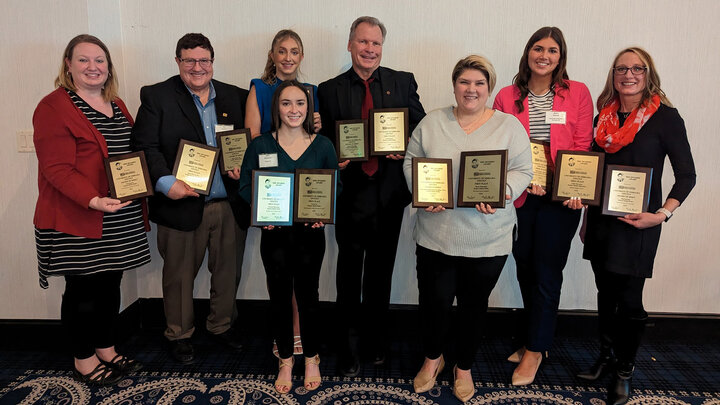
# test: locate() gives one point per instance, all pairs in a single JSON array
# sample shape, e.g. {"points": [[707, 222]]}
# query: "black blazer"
{"points": [[168, 114], [399, 89]]}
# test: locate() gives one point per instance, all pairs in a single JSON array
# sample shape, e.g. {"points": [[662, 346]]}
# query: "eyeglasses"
{"points": [[190, 62], [636, 70]]}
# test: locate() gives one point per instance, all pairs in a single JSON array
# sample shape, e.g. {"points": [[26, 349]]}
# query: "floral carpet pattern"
{"points": [[164, 388]]}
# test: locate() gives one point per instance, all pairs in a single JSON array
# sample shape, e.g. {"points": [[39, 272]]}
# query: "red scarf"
{"points": [[610, 136]]}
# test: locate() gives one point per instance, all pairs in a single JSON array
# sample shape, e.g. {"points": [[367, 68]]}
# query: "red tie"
{"points": [[371, 166]]}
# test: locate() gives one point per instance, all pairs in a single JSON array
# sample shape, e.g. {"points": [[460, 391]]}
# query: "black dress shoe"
{"points": [[349, 366], [101, 376], [182, 351], [229, 339]]}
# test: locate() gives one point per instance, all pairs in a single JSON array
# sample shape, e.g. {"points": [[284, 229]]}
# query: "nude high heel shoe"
{"points": [[520, 379], [463, 389], [517, 356], [279, 384], [313, 379], [423, 381]]}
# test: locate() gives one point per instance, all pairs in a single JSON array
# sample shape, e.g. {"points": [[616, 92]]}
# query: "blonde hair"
{"points": [[270, 73], [652, 80], [476, 62], [64, 78]]}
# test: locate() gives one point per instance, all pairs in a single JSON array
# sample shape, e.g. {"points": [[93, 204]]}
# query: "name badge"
{"points": [[267, 160], [224, 127], [555, 117]]}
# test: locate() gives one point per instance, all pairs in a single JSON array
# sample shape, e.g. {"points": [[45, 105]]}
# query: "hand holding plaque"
{"points": [[482, 178], [195, 165], [272, 198], [315, 195], [627, 190], [389, 130], [432, 183], [578, 174], [128, 176]]}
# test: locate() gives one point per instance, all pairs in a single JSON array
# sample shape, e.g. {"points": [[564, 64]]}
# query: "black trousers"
{"points": [[621, 314], [545, 233], [441, 279], [292, 257], [366, 258], [89, 311]]}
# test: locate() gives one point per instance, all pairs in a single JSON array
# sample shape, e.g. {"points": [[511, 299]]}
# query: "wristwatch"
{"points": [[665, 212]]}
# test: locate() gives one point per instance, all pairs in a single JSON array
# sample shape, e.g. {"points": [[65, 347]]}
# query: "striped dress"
{"points": [[537, 107], [123, 245]]}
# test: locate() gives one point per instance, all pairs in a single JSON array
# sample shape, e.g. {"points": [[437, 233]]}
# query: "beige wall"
{"points": [[425, 37]]}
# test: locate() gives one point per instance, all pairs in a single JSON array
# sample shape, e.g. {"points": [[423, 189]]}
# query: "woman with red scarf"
{"points": [[637, 126]]}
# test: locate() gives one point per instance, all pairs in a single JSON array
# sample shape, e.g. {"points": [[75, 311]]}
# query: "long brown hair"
{"points": [[270, 73], [64, 79], [652, 80], [522, 77]]}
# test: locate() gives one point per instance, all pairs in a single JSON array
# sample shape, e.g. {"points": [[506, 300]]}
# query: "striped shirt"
{"points": [[123, 245], [537, 107]]}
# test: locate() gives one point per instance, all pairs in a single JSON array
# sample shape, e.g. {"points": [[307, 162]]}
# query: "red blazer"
{"points": [[71, 168], [575, 134]]}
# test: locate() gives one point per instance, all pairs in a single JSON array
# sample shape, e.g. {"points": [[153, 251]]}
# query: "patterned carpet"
{"points": [[676, 365], [57, 387]]}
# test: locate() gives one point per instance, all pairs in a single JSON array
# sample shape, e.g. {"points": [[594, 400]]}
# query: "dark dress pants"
{"points": [[367, 247], [545, 233]]}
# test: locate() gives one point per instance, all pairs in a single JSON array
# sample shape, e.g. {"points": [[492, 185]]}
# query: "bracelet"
{"points": [[665, 212]]}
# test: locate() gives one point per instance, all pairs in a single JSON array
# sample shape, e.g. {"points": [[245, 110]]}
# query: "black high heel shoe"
{"points": [[123, 364], [102, 375], [604, 364]]}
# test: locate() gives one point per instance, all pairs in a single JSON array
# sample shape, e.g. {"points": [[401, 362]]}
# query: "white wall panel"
{"points": [[424, 36]]}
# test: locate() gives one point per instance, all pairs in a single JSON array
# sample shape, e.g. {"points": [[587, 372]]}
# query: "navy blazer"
{"points": [[399, 90], [168, 114]]}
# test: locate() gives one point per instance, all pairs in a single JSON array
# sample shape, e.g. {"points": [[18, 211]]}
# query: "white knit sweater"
{"points": [[466, 231]]}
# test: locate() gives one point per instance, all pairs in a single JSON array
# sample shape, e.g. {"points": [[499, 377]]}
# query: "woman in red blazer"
{"points": [[81, 233], [559, 111]]}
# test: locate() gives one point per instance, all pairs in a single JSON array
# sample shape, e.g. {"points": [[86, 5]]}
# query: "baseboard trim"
{"points": [[147, 314]]}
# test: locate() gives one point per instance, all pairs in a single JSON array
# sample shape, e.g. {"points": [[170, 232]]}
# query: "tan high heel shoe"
{"points": [[284, 383], [312, 379], [521, 379], [517, 356], [463, 389], [423, 381]]}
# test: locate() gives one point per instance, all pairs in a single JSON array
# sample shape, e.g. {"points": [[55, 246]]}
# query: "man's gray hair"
{"points": [[368, 20]]}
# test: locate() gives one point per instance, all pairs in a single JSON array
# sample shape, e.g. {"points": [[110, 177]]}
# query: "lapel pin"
{"points": [[224, 115], [387, 92]]}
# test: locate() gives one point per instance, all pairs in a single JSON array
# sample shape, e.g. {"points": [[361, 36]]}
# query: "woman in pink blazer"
{"points": [[559, 111]]}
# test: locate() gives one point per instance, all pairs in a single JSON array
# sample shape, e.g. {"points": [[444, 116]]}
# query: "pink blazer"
{"points": [[575, 134]]}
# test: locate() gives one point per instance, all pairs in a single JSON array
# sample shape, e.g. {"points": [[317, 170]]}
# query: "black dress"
{"points": [[622, 248]]}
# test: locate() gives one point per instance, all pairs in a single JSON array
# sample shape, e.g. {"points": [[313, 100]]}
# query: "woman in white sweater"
{"points": [[461, 252]]}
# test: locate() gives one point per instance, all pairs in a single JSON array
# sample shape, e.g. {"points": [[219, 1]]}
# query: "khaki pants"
{"points": [[183, 254]]}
